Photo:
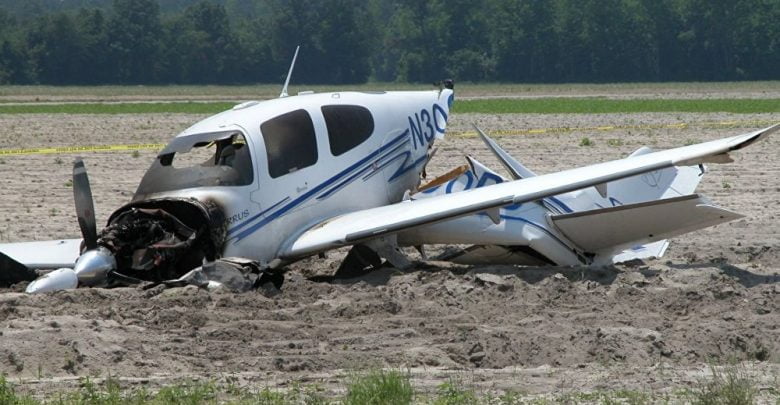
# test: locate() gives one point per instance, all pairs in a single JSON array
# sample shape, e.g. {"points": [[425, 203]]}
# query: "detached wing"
{"points": [[19, 260], [362, 225], [49, 254]]}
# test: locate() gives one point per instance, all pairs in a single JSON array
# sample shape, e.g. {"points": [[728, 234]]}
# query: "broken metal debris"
{"points": [[158, 240]]}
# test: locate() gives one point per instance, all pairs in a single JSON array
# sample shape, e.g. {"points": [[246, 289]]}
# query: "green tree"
{"points": [[523, 40], [334, 37], [14, 66], [92, 28], [603, 40], [350, 41], [133, 37], [730, 40], [56, 49], [415, 40], [201, 47]]}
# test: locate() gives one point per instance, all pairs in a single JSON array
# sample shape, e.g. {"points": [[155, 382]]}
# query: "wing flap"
{"points": [[641, 223], [357, 226]]}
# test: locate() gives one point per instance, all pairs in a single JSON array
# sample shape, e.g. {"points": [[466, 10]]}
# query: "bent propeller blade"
{"points": [[85, 208]]}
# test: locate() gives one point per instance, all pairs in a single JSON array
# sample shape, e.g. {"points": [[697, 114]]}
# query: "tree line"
{"points": [[354, 41]]}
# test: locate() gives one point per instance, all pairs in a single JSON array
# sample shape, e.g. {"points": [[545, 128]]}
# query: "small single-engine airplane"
{"points": [[241, 194]]}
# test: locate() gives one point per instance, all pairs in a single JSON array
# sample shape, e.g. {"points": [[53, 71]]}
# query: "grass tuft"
{"points": [[454, 393], [8, 395], [585, 141], [729, 385], [380, 387], [615, 142]]}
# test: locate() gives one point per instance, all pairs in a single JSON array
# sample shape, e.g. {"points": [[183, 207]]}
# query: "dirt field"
{"points": [[651, 326]]}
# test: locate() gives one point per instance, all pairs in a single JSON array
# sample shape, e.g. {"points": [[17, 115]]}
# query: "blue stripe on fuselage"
{"points": [[248, 231], [351, 178], [560, 204], [535, 225]]}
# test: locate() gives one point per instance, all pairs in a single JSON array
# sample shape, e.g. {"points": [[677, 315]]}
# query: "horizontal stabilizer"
{"points": [[630, 225]]}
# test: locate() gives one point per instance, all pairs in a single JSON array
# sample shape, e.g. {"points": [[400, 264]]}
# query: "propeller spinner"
{"points": [[94, 264]]}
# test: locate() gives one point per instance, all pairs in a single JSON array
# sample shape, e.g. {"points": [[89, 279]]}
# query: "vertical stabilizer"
{"points": [[515, 168]]}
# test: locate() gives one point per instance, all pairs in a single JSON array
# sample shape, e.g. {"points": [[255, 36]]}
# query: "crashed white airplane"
{"points": [[298, 176]]}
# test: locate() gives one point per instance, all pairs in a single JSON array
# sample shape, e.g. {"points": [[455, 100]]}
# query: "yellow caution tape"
{"points": [[466, 134], [78, 149]]}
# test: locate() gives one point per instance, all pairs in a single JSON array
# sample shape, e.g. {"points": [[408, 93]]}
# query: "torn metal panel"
{"points": [[234, 274]]}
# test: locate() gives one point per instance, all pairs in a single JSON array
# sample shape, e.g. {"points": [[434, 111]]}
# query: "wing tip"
{"points": [[755, 137]]}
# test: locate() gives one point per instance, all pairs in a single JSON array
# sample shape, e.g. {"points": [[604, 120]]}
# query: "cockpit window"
{"points": [[201, 160], [290, 142], [348, 126]]}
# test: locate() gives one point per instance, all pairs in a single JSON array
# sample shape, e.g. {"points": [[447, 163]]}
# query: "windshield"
{"points": [[202, 160]]}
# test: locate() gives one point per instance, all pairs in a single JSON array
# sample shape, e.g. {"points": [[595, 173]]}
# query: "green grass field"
{"points": [[488, 106], [265, 91], [603, 106]]}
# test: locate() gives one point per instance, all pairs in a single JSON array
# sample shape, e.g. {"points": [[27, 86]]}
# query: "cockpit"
{"points": [[201, 160]]}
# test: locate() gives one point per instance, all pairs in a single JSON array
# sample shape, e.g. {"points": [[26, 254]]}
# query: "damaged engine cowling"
{"points": [[162, 239]]}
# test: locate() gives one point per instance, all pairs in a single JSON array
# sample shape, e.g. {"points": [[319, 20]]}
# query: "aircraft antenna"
{"points": [[287, 81]]}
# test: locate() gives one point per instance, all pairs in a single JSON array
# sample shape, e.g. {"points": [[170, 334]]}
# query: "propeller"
{"points": [[96, 262], [93, 266], [85, 208]]}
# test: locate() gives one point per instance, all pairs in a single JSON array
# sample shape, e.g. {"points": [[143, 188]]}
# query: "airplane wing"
{"points": [[359, 226], [48, 254], [18, 260]]}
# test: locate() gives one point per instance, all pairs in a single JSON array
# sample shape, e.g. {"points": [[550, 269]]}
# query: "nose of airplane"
{"points": [[92, 266]]}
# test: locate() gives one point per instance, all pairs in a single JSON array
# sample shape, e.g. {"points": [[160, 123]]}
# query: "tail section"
{"points": [[606, 232], [660, 184], [661, 187], [618, 221]]}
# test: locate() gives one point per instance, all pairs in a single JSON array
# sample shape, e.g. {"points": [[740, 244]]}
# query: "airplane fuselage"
{"points": [[304, 159]]}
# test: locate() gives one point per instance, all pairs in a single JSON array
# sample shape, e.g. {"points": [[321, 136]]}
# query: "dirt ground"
{"points": [[652, 326]]}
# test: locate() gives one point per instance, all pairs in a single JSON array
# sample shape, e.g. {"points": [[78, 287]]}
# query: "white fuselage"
{"points": [[268, 213]]}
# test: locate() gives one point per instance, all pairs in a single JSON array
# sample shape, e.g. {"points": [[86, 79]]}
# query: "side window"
{"points": [[348, 126], [290, 142]]}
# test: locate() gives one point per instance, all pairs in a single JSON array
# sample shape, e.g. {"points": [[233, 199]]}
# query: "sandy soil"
{"points": [[649, 326]]}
